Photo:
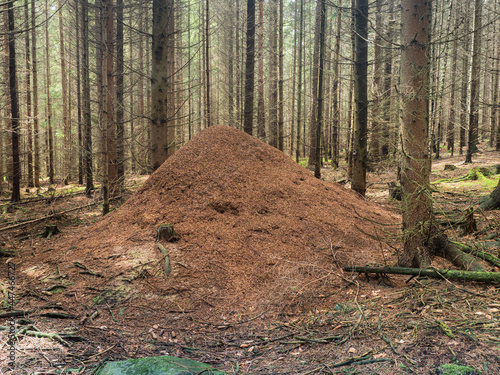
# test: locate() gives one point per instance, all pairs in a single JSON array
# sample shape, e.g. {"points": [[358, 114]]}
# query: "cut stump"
{"points": [[166, 232], [50, 230]]}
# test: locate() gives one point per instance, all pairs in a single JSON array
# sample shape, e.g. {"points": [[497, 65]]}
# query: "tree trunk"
{"points": [[313, 121], [249, 68], [280, 78], [50, 133], [81, 154], [359, 156], [13, 93], [64, 88], [120, 126], [87, 123], [299, 85], [336, 92], [319, 124], [29, 118], [261, 110], [208, 108], [493, 202], [163, 111], [416, 194], [475, 83], [377, 85], [450, 136], [273, 75]]}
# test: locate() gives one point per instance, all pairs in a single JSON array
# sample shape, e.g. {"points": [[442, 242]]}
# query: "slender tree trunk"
{"points": [[208, 109], [133, 112], [16, 162], [359, 157], [120, 105], [29, 118], [249, 68], [163, 69], [273, 76], [280, 78], [49, 102], [475, 83], [319, 117], [261, 110], [34, 69], [87, 124], [141, 131], [495, 126], [81, 154], [299, 85], [64, 88], [450, 137], [377, 85], [387, 128], [336, 91], [230, 63], [417, 200], [313, 121]]}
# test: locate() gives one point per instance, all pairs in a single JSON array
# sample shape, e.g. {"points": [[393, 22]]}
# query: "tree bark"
{"points": [[416, 194], [29, 118], [319, 124], [249, 68], [280, 79], [475, 83], [261, 110], [359, 156], [435, 273], [64, 89], [273, 75], [87, 123], [120, 105], [13, 93], [162, 129], [50, 132], [299, 85]]}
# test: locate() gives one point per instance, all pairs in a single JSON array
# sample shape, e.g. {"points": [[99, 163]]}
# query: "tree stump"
{"points": [[50, 230], [470, 225], [449, 167], [167, 233], [395, 191]]}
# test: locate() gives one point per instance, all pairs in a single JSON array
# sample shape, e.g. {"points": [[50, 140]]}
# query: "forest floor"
{"points": [[257, 285]]}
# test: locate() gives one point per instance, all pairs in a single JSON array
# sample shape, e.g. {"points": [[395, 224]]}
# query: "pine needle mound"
{"points": [[255, 229]]}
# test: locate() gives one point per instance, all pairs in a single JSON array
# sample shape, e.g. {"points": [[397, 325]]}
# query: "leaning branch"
{"points": [[429, 272]]}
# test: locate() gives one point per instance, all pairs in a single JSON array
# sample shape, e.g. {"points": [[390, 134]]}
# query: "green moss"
{"points": [[452, 369]]}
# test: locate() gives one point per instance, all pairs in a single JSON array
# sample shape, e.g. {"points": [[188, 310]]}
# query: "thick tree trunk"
{"points": [[359, 156], [162, 129], [416, 197], [493, 202], [249, 68]]}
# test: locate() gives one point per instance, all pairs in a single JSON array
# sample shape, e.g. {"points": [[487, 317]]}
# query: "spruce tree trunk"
{"points": [[336, 92], [359, 151], [29, 132], [475, 83], [64, 89], [416, 194], [280, 79], [120, 105], [299, 85], [163, 111], [273, 75], [319, 124], [261, 110], [81, 153], [87, 124], [249, 68], [50, 132], [13, 93]]}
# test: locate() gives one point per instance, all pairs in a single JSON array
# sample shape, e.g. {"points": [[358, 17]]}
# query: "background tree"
{"points": [[249, 68]]}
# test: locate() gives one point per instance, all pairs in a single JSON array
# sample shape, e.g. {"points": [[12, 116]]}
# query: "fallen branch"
{"points": [[45, 217], [429, 272], [480, 254]]}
